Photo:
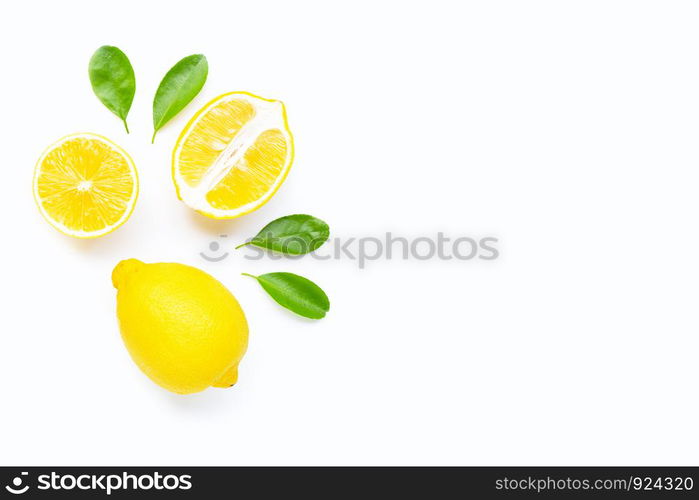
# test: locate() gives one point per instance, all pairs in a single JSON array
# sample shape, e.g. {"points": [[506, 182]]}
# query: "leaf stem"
{"points": [[250, 275], [242, 245], [152, 139], [126, 126]]}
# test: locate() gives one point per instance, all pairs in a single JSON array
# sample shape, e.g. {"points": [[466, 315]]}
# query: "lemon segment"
{"points": [[233, 155], [85, 185]]}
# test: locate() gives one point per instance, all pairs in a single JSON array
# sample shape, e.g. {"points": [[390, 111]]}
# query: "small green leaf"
{"points": [[113, 80], [177, 89], [293, 235], [296, 293]]}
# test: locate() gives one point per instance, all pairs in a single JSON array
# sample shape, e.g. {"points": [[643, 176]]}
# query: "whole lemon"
{"points": [[182, 327]]}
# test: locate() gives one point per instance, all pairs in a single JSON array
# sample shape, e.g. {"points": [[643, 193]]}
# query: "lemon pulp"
{"points": [[233, 155], [85, 185]]}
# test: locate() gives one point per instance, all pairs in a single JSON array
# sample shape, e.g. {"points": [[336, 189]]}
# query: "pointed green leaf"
{"points": [[292, 235], [296, 293], [113, 80], [177, 89]]}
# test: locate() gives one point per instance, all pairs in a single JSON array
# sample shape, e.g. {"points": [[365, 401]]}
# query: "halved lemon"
{"points": [[85, 185], [233, 155]]}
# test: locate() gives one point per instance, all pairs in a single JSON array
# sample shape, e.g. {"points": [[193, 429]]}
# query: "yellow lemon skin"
{"points": [[182, 327]]}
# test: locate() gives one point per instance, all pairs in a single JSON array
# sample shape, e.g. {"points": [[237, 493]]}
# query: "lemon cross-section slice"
{"points": [[85, 185], [233, 155]]}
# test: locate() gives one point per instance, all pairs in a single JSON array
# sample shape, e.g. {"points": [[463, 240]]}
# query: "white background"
{"points": [[569, 130]]}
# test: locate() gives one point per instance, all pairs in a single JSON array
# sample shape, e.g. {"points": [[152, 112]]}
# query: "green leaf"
{"points": [[177, 89], [292, 235], [296, 293], [113, 80]]}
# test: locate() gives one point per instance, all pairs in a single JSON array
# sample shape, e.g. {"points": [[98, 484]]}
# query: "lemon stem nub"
{"points": [[228, 379], [123, 269]]}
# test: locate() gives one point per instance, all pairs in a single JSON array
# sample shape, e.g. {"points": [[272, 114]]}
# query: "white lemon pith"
{"points": [[233, 155], [85, 185], [182, 327]]}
